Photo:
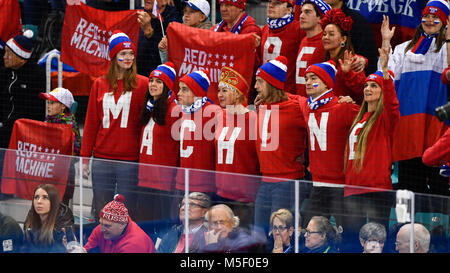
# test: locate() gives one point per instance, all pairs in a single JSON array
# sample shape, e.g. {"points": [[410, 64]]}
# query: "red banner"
{"points": [[37, 157], [192, 49], [85, 35], [10, 20]]}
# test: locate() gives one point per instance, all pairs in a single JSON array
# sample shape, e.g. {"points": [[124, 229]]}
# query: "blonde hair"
{"points": [[275, 94], [361, 141], [284, 215], [129, 76]]}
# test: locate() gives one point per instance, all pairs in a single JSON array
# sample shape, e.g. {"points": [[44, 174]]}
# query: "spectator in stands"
{"points": [[372, 237], [49, 223], [117, 232], [439, 153], [421, 239], [174, 240], [280, 142], [198, 125], [339, 48], [419, 62], [363, 39], [59, 104], [21, 81], [224, 235], [158, 147], [369, 152], [11, 235], [150, 34], [311, 49], [196, 14], [235, 147], [236, 20], [281, 36], [282, 229], [112, 128], [445, 77], [321, 236], [328, 123]]}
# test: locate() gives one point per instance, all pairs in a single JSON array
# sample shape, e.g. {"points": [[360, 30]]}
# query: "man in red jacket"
{"points": [[117, 233]]}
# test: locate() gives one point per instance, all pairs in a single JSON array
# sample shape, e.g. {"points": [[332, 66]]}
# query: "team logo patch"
{"points": [[127, 44]]}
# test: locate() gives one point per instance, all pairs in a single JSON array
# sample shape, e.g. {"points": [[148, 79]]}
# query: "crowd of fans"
{"points": [[324, 105]]}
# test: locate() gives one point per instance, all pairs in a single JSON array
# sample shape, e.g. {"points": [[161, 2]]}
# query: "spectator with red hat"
{"points": [[196, 135], [281, 36], [339, 48], [236, 20], [328, 124], [112, 127], [369, 155], [157, 146], [235, 147], [117, 232], [280, 143], [311, 49]]}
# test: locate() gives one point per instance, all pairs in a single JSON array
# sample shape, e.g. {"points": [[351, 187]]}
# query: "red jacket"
{"points": [[115, 135], [439, 153], [349, 84], [133, 240], [376, 169], [239, 158], [281, 139], [159, 147]]}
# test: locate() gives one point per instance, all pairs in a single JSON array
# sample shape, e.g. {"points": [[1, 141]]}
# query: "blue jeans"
{"points": [[110, 177]]}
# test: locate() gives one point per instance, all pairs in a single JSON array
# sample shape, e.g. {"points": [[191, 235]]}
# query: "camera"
{"points": [[443, 112]]}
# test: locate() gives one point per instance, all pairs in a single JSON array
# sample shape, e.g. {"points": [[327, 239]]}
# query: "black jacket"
{"points": [[19, 90]]}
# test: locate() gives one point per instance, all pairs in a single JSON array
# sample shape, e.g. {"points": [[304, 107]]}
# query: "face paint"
{"points": [[436, 22], [315, 84], [120, 59]]}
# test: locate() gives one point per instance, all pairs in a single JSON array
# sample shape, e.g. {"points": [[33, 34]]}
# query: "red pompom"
{"points": [[119, 198]]}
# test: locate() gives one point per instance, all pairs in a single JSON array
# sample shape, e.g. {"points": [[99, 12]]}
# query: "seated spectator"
{"points": [[47, 222], [421, 239], [224, 235], [282, 230], [372, 237], [117, 233], [59, 105], [174, 240], [321, 236], [196, 14], [11, 235]]}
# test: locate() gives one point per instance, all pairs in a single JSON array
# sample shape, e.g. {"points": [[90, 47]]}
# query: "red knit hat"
{"points": [[237, 3], [378, 77], [115, 211]]}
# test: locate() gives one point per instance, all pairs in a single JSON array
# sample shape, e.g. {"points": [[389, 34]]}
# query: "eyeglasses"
{"points": [[191, 205], [309, 232], [279, 228], [217, 223]]}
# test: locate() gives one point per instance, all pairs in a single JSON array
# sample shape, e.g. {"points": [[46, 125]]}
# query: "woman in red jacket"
{"points": [[159, 150], [368, 156], [112, 127]]}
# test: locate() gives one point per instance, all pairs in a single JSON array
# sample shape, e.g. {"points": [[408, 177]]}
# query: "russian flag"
{"points": [[155, 11]]}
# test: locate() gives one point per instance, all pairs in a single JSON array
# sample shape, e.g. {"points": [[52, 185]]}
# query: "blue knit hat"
{"points": [[274, 72], [198, 82], [326, 71], [22, 45], [165, 72], [119, 41]]}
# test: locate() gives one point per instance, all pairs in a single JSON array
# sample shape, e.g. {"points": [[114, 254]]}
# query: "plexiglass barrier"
{"points": [[216, 211]]}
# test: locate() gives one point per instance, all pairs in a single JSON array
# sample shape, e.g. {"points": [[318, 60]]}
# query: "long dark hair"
{"points": [[160, 108], [440, 38], [43, 230]]}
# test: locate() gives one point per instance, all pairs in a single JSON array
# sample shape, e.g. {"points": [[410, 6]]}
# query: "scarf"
{"points": [[151, 103], [318, 102], [236, 29], [198, 104], [280, 22], [69, 118], [423, 44]]}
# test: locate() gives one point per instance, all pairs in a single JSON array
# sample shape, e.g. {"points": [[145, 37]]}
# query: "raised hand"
{"points": [[386, 33]]}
